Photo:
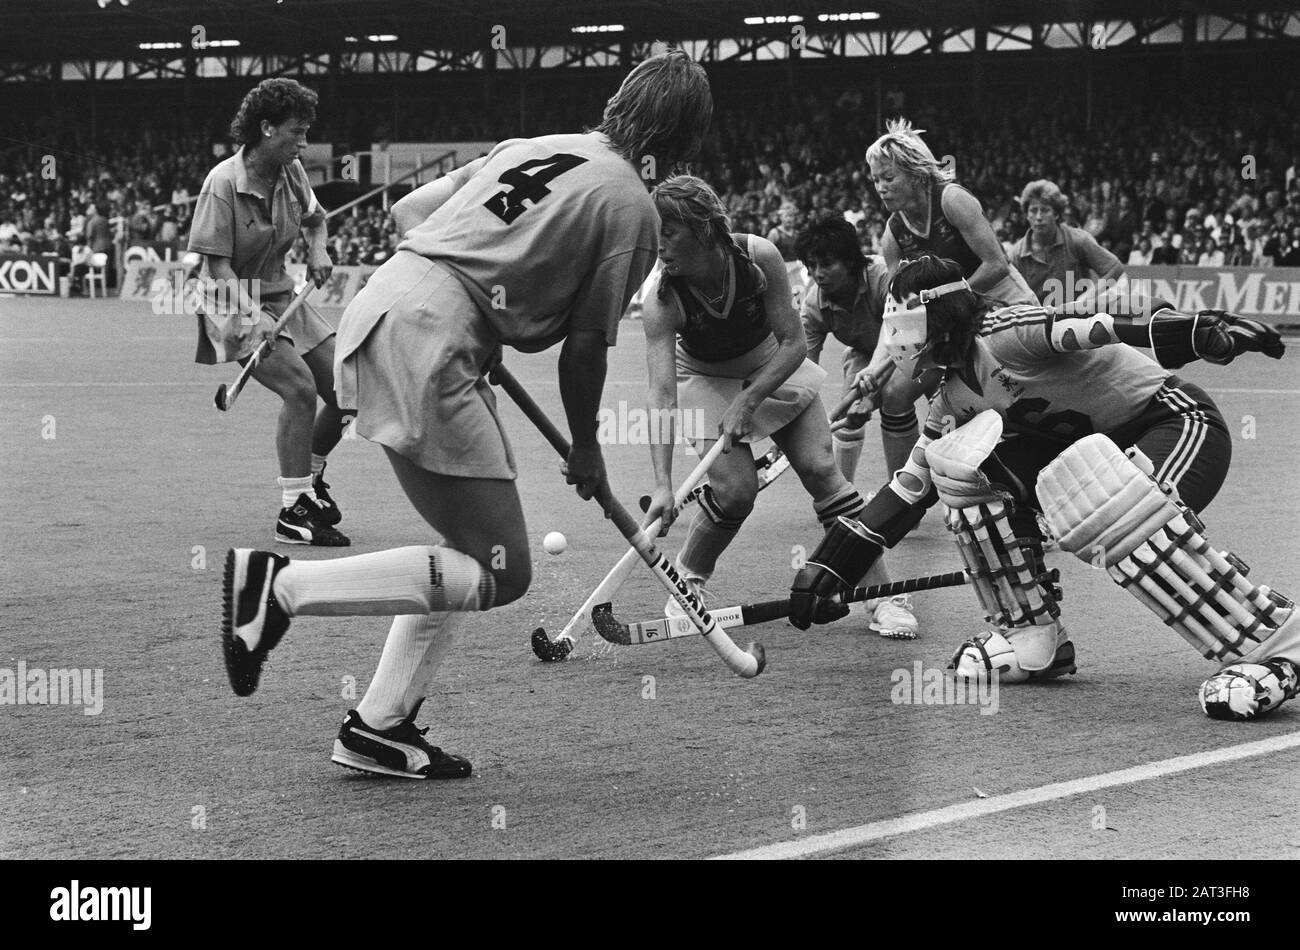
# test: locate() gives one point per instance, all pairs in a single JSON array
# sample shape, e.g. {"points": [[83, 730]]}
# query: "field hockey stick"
{"points": [[550, 650], [769, 466], [748, 662], [226, 397], [667, 628], [839, 415]]}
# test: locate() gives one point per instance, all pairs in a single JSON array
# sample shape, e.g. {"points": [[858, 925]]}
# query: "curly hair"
{"points": [[274, 101], [830, 236], [1045, 192], [903, 145], [662, 110]]}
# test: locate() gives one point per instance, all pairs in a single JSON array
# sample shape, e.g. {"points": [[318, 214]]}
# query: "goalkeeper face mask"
{"points": [[908, 339]]}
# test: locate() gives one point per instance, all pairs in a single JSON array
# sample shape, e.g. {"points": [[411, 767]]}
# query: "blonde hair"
{"points": [[903, 145], [662, 110]]}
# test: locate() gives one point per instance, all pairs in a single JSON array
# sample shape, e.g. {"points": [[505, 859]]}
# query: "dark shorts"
{"points": [[1181, 431]]}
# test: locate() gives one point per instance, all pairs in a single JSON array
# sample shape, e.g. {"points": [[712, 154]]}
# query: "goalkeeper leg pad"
{"points": [[1010, 581], [1105, 510], [998, 652]]}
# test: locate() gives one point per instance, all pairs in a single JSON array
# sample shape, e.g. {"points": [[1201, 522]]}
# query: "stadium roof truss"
{"points": [[351, 37]]}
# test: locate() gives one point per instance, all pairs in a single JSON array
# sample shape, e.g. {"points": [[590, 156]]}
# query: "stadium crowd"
{"points": [[1205, 181]]}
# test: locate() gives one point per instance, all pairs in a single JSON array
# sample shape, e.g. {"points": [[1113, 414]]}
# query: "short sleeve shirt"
{"points": [[551, 235], [1041, 390], [858, 328], [233, 219], [1075, 254]]}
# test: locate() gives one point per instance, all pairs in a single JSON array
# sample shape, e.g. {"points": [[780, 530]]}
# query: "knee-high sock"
{"points": [[898, 433], [846, 444], [413, 653], [420, 579], [877, 573], [711, 531], [850, 504], [844, 502]]}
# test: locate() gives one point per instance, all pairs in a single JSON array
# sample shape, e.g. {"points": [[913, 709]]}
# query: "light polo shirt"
{"points": [[548, 236], [1074, 251], [232, 220], [858, 327]]}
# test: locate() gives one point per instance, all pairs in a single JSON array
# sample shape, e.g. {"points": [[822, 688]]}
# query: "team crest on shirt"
{"points": [[1013, 387]]}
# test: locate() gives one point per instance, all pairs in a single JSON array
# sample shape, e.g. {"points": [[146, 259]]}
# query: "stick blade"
{"points": [[602, 618], [548, 650], [220, 399]]}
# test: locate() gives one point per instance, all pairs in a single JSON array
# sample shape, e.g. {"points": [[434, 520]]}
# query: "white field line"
{"points": [[920, 821]]}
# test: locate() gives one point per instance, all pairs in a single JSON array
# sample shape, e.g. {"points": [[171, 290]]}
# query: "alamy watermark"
{"points": [[934, 686], [38, 686], [76, 903], [176, 295], [636, 425]]}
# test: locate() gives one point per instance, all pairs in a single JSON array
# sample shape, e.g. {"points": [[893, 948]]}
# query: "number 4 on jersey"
{"points": [[528, 182]]}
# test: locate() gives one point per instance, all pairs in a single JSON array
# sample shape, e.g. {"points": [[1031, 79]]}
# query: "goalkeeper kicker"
{"points": [[1041, 410]]}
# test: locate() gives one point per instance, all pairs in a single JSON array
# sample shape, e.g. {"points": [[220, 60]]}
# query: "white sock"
{"points": [[419, 579], [847, 452], [877, 573], [413, 653], [317, 465], [291, 488]]}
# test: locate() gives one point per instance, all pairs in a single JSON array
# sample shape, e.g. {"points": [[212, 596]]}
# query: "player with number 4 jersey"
{"points": [[1041, 410], [539, 241]]}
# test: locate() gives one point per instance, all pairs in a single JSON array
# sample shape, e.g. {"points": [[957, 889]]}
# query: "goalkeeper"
{"points": [[1040, 409]]}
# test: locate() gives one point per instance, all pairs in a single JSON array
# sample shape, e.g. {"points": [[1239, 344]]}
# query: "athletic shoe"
{"points": [[893, 618], [252, 621], [329, 511], [400, 751], [695, 586], [305, 523]]}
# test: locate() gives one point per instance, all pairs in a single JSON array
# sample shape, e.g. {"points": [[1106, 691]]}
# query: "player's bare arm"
{"points": [[791, 347], [319, 265], [225, 276], [661, 320], [889, 250], [583, 362], [964, 211]]}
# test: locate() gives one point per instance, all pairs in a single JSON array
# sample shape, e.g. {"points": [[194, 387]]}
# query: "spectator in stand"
{"points": [[168, 233], [1238, 255], [99, 239], [1210, 255], [1167, 252], [1141, 255], [1061, 264], [783, 236], [1291, 258], [140, 227], [1274, 247]]}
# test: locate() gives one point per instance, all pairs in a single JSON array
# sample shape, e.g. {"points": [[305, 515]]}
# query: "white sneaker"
{"points": [[696, 587], [893, 618]]}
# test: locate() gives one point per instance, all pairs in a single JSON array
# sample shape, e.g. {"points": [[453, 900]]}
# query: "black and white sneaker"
{"points": [[252, 621], [400, 751], [305, 523], [329, 511]]}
